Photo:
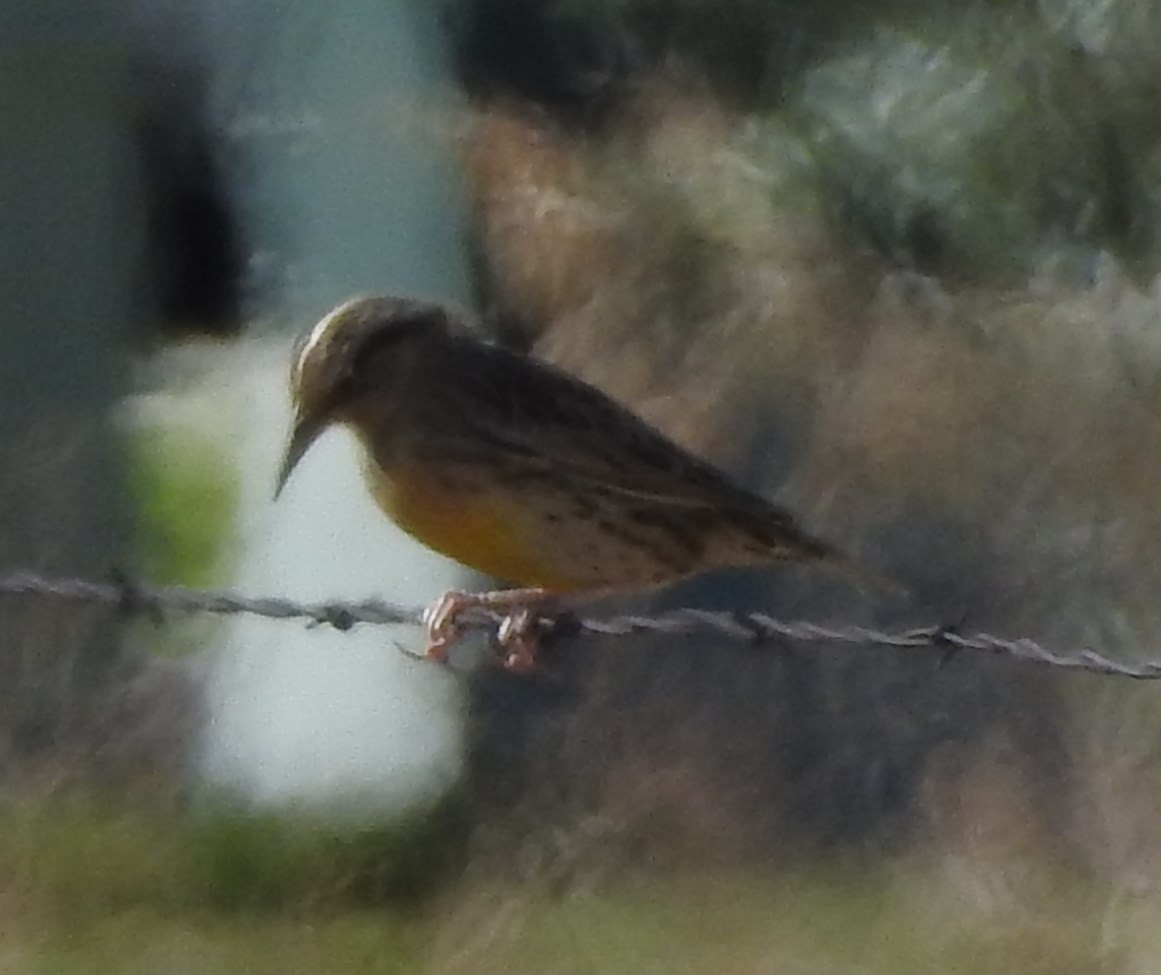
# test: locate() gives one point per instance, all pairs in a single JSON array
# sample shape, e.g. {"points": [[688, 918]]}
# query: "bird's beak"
{"points": [[305, 432]]}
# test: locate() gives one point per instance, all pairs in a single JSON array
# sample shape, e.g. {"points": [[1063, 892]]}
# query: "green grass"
{"points": [[863, 918], [91, 885], [147, 943], [185, 491], [75, 858]]}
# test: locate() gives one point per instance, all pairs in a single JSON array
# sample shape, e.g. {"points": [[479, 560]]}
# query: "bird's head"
{"points": [[347, 356]]}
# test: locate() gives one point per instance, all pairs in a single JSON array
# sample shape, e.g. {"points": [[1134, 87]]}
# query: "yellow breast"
{"points": [[480, 527]]}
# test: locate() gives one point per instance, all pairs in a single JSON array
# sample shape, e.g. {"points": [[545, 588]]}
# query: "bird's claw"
{"points": [[443, 631], [519, 639], [518, 633]]}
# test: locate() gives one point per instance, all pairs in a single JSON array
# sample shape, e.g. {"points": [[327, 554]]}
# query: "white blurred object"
{"points": [[315, 716]]}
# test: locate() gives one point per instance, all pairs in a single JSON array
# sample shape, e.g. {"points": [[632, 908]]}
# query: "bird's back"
{"points": [[529, 474]]}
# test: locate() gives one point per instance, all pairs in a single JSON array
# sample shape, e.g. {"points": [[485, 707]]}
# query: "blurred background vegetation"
{"points": [[894, 264]]}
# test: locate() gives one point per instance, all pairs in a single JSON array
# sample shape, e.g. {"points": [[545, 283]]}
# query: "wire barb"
{"points": [[131, 598]]}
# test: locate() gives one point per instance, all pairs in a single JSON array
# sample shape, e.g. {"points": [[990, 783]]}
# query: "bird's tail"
{"points": [[779, 536]]}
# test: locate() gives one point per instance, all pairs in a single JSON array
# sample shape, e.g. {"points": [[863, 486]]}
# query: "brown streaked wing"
{"points": [[545, 420]]}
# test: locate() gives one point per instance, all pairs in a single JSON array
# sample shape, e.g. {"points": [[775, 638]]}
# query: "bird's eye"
{"points": [[346, 380]]}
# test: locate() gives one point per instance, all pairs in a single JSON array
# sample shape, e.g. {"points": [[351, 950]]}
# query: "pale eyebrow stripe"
{"points": [[317, 333]]}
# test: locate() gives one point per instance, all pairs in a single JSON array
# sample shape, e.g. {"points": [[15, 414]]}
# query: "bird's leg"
{"points": [[518, 633]]}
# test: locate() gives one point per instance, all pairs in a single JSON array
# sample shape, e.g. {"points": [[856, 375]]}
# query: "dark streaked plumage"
{"points": [[517, 469]]}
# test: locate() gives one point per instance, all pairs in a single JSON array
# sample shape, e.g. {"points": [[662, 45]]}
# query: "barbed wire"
{"points": [[155, 601]]}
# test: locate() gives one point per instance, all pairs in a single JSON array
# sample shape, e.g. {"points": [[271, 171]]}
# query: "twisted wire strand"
{"points": [[142, 599]]}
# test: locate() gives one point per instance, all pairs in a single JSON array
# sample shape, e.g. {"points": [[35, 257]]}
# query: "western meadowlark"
{"points": [[520, 470]]}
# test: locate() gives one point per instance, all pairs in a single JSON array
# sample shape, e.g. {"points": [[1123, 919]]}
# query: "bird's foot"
{"points": [[519, 639], [519, 629], [442, 629]]}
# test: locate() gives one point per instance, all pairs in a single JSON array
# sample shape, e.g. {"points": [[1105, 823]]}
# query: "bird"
{"points": [[520, 470]]}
